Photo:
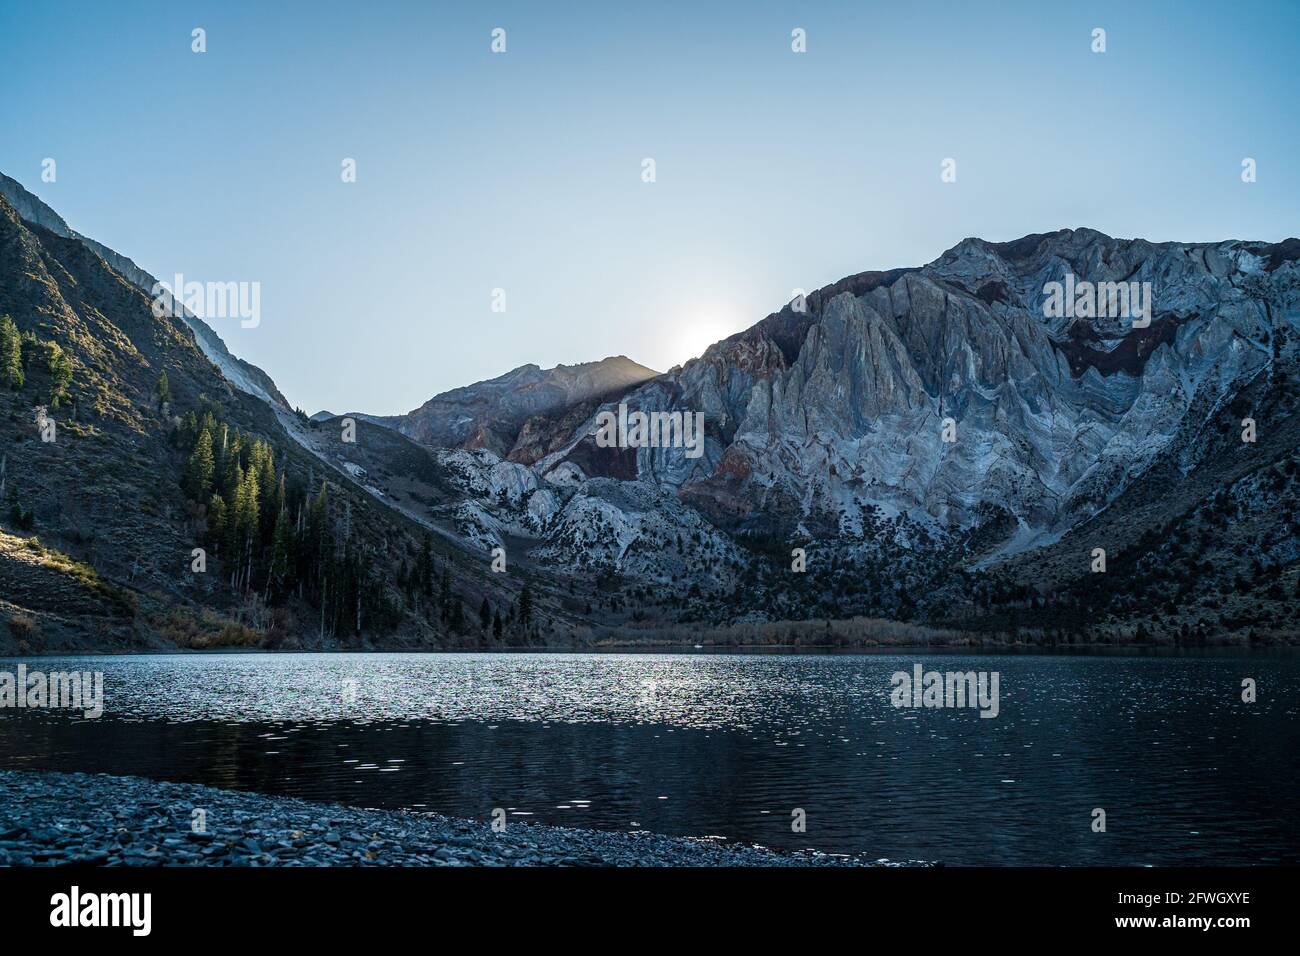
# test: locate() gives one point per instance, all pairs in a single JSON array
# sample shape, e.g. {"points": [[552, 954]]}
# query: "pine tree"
{"points": [[317, 522], [247, 505], [232, 472], [264, 458], [60, 368], [281, 555], [247, 522], [485, 614], [316, 543], [163, 390], [11, 354], [496, 624], [198, 470], [266, 485], [216, 518], [231, 541], [525, 605], [29, 347]]}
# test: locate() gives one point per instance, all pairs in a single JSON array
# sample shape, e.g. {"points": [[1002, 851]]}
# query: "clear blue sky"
{"points": [[523, 171]]}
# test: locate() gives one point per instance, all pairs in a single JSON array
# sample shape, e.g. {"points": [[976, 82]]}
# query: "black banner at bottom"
{"points": [[525, 906]]}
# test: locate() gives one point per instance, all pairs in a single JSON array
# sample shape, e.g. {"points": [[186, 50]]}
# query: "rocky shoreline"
{"points": [[54, 819]]}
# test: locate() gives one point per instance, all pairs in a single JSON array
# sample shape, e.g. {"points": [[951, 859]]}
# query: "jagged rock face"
{"points": [[642, 530], [812, 415], [494, 414]]}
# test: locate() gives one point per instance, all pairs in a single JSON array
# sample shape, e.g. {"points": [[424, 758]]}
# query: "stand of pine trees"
{"points": [[20, 350], [275, 539], [12, 373]]}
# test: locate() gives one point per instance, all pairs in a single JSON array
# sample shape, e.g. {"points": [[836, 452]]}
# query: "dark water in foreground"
{"points": [[728, 746]]}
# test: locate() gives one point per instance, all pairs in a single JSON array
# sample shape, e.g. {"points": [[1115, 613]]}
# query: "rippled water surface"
{"points": [[729, 746]]}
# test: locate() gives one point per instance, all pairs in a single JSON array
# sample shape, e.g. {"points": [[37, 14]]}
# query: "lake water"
{"points": [[728, 746]]}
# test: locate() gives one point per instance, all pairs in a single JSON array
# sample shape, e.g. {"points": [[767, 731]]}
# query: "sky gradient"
{"points": [[522, 170]]}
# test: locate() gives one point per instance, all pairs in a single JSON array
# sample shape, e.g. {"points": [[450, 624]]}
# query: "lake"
{"points": [[730, 746]]}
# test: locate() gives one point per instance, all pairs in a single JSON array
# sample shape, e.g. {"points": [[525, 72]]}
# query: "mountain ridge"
{"points": [[491, 413], [824, 431], [243, 374], [108, 540]]}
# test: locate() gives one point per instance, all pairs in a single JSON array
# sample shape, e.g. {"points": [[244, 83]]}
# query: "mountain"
{"points": [[246, 377], [813, 415], [825, 429], [939, 452], [158, 492], [493, 414]]}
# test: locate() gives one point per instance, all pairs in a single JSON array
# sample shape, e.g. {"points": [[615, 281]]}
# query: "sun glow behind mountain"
{"points": [[699, 329]]}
